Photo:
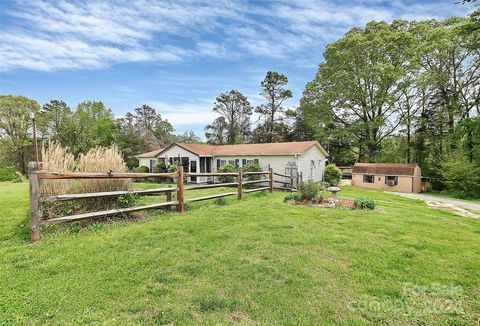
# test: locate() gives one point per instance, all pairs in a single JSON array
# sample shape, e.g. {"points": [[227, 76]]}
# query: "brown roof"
{"points": [[384, 168], [272, 148], [150, 154], [289, 148]]}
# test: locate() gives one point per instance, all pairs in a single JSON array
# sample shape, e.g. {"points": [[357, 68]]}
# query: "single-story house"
{"points": [[290, 158], [393, 177]]}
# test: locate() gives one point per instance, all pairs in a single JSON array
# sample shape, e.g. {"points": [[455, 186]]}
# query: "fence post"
{"points": [[270, 183], [301, 178], [291, 182], [169, 198], [180, 191], [34, 202], [240, 183]]}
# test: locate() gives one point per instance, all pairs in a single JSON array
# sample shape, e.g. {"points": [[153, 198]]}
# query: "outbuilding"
{"points": [[307, 157], [393, 177]]}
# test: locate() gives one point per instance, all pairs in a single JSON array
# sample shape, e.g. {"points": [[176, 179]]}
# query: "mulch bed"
{"points": [[343, 202]]}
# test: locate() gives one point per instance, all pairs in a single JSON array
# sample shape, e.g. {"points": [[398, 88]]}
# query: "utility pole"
{"points": [[35, 149]]}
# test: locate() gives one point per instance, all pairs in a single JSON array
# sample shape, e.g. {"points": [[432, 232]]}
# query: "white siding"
{"points": [[311, 171], [277, 162]]}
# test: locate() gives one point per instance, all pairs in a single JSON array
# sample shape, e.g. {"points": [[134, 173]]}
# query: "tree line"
{"points": [[89, 125]]}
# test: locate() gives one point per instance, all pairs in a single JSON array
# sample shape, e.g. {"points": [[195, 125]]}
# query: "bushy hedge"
{"points": [[141, 169], [252, 167], [364, 203], [227, 168], [332, 175], [461, 178], [160, 168], [172, 168], [7, 173], [309, 191]]}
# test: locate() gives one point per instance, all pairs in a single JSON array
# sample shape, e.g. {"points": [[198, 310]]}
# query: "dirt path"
{"points": [[423, 197]]}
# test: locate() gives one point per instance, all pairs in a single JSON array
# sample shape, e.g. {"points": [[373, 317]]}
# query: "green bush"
{"points": [[309, 190], [364, 203], [292, 197], [227, 168], [7, 173], [332, 175], [220, 201], [324, 185], [252, 167], [172, 168], [461, 178], [160, 168], [141, 169]]}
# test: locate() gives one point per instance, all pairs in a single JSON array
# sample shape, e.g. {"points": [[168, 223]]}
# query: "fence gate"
{"points": [[291, 169]]}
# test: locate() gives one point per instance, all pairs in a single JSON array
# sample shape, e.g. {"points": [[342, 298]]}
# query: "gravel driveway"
{"points": [[423, 197]]}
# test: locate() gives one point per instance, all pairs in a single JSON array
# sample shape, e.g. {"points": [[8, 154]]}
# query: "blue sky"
{"points": [[177, 56]]}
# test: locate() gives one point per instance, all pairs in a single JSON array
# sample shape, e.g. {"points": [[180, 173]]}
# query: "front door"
{"points": [[193, 169]]}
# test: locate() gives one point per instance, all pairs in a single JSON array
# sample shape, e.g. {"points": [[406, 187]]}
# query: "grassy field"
{"points": [[256, 261]]}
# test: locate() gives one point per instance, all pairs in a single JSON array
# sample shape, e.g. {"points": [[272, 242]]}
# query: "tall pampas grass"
{"points": [[100, 159], [103, 159], [57, 159]]}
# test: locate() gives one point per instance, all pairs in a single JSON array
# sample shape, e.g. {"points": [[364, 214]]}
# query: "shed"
{"points": [[392, 177]]}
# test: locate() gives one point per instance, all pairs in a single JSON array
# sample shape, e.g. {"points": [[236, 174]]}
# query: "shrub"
{"points": [[227, 168], [309, 190], [364, 203], [461, 178], [141, 169], [292, 197], [172, 168], [7, 173], [332, 175], [160, 168], [324, 185], [252, 167]]}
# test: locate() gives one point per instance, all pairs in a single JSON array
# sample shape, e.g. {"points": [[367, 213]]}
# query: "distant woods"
{"points": [[89, 125]]}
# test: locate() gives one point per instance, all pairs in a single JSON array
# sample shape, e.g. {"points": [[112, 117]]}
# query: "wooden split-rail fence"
{"points": [[37, 198]]}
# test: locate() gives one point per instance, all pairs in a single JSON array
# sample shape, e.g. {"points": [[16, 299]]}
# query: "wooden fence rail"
{"points": [[37, 198]]}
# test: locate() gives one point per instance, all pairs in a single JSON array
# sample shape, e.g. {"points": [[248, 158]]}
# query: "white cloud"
{"points": [[66, 34], [199, 112]]}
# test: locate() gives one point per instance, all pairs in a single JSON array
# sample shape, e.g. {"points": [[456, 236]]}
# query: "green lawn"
{"points": [[256, 261]]}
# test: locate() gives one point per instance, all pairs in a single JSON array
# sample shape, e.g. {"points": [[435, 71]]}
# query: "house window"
{"points": [[221, 163], [246, 161], [368, 178], [391, 180]]}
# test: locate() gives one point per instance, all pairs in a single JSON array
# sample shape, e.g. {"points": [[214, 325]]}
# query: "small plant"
{"points": [[292, 197], [141, 169], [227, 168], [324, 185], [7, 173], [309, 190], [262, 193], [364, 203], [220, 201], [332, 175], [160, 167]]}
